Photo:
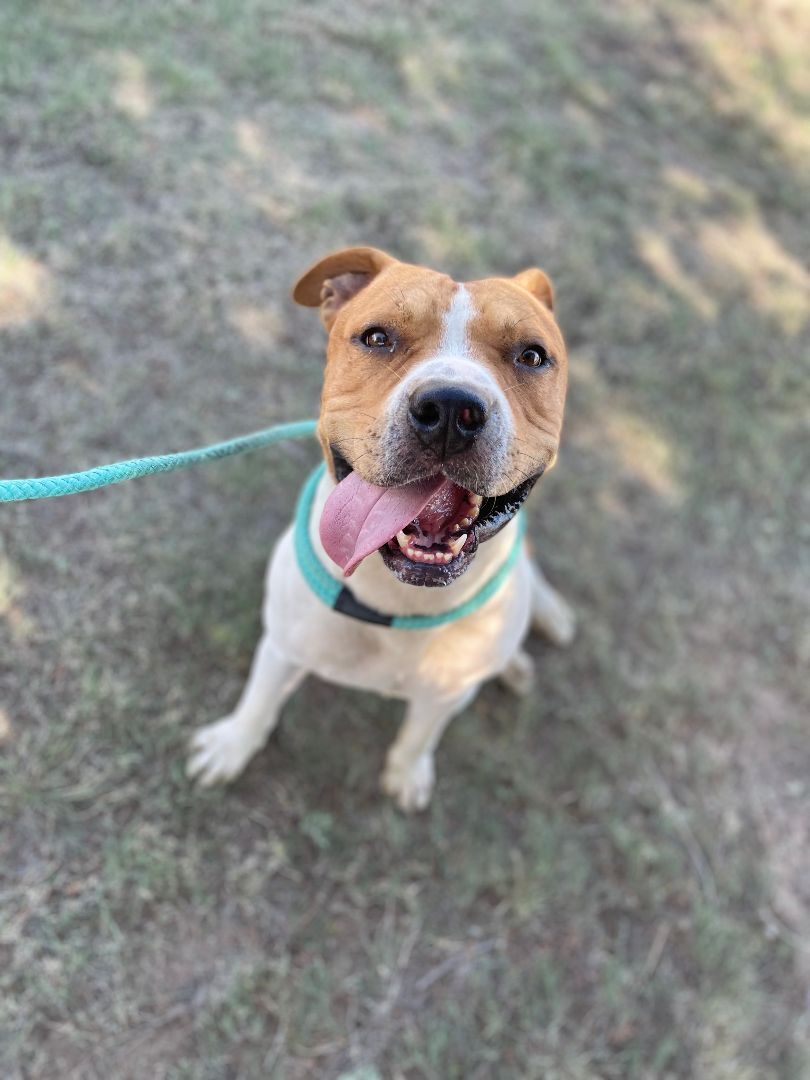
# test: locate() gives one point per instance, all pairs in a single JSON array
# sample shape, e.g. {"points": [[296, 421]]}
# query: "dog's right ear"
{"points": [[333, 281]]}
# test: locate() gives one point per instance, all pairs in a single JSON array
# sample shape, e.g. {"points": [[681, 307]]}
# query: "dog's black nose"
{"points": [[447, 418]]}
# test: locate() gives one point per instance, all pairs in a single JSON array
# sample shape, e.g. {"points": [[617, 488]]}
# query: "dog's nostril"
{"points": [[426, 412], [471, 419]]}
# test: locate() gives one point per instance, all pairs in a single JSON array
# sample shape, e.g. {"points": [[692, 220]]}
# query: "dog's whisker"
{"points": [[394, 373]]}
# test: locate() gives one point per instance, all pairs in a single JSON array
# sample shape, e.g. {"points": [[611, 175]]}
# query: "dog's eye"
{"points": [[534, 356], [376, 338]]}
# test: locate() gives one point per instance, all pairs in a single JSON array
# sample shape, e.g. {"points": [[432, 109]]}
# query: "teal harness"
{"points": [[340, 598], [328, 589]]}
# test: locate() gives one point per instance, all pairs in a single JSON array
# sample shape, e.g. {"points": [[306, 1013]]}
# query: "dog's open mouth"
{"points": [[442, 528], [427, 532]]}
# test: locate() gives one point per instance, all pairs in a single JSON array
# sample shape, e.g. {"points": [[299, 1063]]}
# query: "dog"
{"points": [[442, 406]]}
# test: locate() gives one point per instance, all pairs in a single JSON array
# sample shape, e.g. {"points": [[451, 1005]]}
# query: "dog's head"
{"points": [[442, 405]]}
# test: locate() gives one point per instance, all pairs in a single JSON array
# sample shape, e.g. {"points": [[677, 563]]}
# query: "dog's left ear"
{"points": [[333, 281], [538, 284]]}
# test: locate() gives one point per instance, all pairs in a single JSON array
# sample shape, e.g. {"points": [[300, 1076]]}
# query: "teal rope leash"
{"points": [[49, 487]]}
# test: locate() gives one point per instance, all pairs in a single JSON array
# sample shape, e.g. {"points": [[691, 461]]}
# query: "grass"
{"points": [[610, 882]]}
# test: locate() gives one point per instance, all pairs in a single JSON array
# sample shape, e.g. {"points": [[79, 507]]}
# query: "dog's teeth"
{"points": [[474, 513], [419, 555], [465, 522], [474, 500], [455, 527], [457, 544]]}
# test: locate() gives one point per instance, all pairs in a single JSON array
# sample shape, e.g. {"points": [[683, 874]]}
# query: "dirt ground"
{"points": [[613, 880]]}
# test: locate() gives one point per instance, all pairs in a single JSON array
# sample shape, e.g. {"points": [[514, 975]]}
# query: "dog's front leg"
{"points": [[409, 771], [220, 751], [551, 614]]}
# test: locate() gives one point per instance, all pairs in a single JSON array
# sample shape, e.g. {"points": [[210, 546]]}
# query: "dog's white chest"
{"points": [[399, 663]]}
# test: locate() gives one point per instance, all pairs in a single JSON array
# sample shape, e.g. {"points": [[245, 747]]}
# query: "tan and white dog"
{"points": [[442, 405]]}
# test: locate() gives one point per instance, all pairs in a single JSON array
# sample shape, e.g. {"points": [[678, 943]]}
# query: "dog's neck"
{"points": [[374, 585]]}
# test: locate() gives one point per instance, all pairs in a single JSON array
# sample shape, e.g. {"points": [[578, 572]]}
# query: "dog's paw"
{"points": [[555, 619], [410, 785], [518, 675], [218, 753]]}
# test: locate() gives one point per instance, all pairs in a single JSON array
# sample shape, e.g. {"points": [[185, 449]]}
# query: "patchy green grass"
{"points": [[612, 879]]}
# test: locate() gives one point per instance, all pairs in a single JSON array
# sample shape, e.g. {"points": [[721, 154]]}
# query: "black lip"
{"points": [[342, 467], [499, 511], [496, 512]]}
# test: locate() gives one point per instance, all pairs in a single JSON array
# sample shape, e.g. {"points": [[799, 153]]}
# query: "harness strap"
{"points": [[340, 598]]}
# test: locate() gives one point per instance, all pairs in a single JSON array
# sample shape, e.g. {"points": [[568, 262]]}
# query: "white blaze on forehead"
{"points": [[455, 341], [454, 364]]}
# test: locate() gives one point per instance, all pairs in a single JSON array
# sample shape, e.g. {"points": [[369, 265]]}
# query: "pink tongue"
{"points": [[358, 517]]}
